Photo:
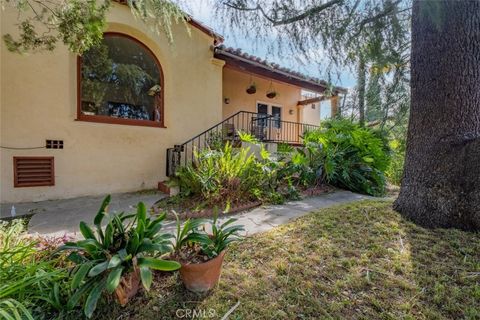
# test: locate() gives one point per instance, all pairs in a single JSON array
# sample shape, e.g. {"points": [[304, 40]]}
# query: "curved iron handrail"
{"points": [[265, 128]]}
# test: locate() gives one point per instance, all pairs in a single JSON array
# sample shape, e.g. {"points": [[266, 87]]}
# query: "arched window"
{"points": [[120, 81]]}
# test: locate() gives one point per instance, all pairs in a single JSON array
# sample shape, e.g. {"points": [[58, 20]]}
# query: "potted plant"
{"points": [[117, 257], [271, 94], [252, 88], [201, 254]]}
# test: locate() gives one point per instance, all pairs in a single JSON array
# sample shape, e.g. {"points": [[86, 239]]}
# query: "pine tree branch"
{"points": [[388, 11]]}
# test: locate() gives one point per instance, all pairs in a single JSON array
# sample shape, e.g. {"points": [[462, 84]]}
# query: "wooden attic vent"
{"points": [[33, 171]]}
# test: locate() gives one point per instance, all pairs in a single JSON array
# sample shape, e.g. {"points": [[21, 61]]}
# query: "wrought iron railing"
{"points": [[265, 128]]}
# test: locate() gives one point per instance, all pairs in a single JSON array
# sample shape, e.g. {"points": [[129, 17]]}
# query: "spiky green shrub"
{"points": [[221, 175], [353, 157]]}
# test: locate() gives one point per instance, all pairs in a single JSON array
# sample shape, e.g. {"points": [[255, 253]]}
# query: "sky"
{"points": [[202, 10]]}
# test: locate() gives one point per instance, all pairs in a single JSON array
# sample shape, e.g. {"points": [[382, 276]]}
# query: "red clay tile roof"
{"points": [[238, 59], [253, 64]]}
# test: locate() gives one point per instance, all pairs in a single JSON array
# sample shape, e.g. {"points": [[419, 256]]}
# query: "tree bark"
{"points": [[441, 184], [361, 89]]}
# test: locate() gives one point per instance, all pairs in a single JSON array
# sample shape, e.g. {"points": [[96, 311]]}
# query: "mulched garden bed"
{"points": [[193, 208], [197, 207], [316, 191]]}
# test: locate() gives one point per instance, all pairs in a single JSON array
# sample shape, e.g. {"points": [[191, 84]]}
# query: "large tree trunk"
{"points": [[441, 184]]}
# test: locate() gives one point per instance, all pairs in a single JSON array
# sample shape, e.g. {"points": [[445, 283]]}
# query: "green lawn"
{"points": [[357, 261]]}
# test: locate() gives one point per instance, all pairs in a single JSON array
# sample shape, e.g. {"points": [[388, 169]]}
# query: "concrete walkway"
{"points": [[63, 216], [57, 217], [267, 217]]}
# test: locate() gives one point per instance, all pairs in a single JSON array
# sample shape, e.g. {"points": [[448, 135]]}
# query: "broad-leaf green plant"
{"points": [[193, 232], [353, 157], [222, 235], [188, 233], [128, 243], [247, 137]]}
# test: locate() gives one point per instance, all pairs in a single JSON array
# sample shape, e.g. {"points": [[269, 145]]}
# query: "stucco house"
{"points": [[117, 118]]}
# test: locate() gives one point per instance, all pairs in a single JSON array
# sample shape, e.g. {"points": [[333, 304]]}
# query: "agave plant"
{"points": [[127, 245]]}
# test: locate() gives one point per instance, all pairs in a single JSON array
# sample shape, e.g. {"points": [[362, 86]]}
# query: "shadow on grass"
{"points": [[446, 269], [356, 261]]}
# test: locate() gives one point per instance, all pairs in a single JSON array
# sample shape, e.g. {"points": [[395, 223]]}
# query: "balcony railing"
{"points": [[265, 128]]}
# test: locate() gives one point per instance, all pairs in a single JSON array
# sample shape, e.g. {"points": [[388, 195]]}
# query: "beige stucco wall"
{"points": [[235, 83], [310, 114], [38, 102]]}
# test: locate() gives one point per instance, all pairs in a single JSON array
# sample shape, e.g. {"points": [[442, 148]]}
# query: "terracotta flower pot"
{"points": [[128, 287], [201, 277]]}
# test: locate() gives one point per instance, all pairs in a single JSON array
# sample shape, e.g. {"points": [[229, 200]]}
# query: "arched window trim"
{"points": [[107, 119]]}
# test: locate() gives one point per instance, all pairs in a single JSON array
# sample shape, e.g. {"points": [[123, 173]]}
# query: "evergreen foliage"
{"points": [[79, 24]]}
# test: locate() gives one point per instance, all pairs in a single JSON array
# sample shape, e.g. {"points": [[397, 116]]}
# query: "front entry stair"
{"points": [[265, 128]]}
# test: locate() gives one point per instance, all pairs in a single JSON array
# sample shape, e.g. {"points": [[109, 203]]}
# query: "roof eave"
{"points": [[204, 28], [247, 65], [195, 23]]}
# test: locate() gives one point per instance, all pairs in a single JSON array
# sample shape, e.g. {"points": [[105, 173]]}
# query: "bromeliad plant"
{"points": [[222, 235], [193, 234], [189, 233], [118, 256], [201, 253]]}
